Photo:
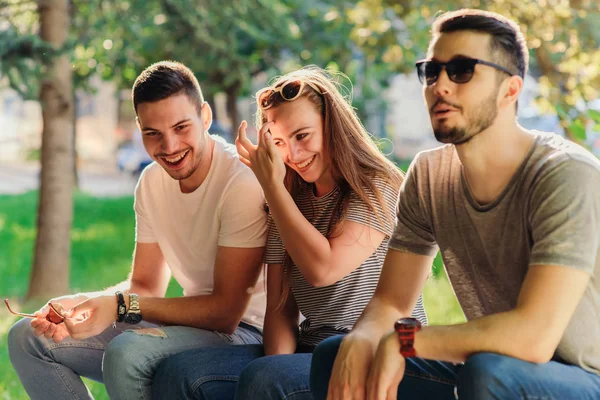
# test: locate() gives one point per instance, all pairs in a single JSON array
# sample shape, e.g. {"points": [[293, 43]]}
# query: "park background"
{"points": [[70, 154]]}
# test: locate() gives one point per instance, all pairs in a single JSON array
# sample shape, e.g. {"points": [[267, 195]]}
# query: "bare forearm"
{"points": [[121, 286], [309, 249], [126, 287], [509, 333], [279, 336], [205, 312], [377, 319]]}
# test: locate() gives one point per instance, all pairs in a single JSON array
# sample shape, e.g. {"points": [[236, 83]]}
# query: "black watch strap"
{"points": [[121, 309]]}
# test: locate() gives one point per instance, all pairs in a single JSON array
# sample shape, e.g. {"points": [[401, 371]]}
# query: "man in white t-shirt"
{"points": [[200, 217]]}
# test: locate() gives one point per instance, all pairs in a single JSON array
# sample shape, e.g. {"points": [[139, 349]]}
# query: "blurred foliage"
{"points": [[227, 45], [562, 36]]}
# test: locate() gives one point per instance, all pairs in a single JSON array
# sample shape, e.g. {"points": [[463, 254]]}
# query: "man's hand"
{"points": [[41, 326], [349, 376], [387, 369], [91, 317]]}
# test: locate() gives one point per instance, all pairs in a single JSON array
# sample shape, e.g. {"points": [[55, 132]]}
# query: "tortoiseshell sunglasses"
{"points": [[55, 315]]}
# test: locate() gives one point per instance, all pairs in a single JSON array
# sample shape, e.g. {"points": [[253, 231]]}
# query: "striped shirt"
{"points": [[334, 309]]}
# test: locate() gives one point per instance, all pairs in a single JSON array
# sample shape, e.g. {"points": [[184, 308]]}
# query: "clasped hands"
{"points": [[361, 373]]}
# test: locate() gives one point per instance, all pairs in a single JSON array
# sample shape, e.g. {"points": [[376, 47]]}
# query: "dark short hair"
{"points": [[165, 79], [507, 44]]}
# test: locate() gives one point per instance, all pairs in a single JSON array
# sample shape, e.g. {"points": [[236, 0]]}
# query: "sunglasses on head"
{"points": [[288, 91], [459, 70], [54, 314]]}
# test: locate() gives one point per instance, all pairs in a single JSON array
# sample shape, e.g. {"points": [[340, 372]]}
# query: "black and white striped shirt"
{"points": [[334, 309]]}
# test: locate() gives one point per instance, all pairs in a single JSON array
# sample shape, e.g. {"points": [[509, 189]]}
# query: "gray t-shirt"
{"points": [[548, 214]]}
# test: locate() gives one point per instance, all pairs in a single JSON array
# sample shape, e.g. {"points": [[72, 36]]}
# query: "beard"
{"points": [[480, 121]]}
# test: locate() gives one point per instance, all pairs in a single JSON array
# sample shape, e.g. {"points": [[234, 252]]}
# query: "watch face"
{"points": [[407, 324], [133, 318], [122, 310]]}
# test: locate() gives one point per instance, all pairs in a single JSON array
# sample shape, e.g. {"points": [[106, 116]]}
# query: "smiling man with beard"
{"points": [[200, 218], [516, 216]]}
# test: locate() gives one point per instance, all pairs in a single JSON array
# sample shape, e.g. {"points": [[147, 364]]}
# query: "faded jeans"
{"points": [[124, 358], [484, 376]]}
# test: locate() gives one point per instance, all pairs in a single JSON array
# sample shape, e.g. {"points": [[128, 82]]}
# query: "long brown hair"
{"points": [[355, 158]]}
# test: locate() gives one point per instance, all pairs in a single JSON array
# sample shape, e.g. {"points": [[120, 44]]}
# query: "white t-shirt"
{"points": [[226, 210]]}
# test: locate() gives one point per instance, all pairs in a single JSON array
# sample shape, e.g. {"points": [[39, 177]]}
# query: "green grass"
{"points": [[102, 245]]}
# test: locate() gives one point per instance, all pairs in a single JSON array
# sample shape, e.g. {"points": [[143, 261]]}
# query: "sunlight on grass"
{"points": [[23, 233], [93, 232], [6, 322], [441, 304]]}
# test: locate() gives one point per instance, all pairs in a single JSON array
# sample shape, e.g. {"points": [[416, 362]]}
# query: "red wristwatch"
{"points": [[406, 328]]}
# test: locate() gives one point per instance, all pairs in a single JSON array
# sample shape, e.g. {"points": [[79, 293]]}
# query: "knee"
{"points": [[485, 376], [170, 380], [124, 357], [322, 364], [255, 381], [20, 340]]}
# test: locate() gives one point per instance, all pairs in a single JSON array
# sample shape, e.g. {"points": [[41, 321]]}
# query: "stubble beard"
{"points": [[482, 120]]}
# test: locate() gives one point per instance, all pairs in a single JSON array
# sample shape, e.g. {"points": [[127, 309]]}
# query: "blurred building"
{"points": [[97, 120]]}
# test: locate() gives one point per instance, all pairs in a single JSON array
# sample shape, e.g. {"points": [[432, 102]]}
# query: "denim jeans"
{"points": [[483, 376], [233, 372], [123, 358]]}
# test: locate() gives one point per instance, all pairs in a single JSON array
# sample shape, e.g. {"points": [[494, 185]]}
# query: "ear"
{"points": [[206, 116], [510, 91]]}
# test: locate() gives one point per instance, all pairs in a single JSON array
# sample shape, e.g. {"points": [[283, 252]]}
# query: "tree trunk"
{"points": [[232, 111], [50, 272]]}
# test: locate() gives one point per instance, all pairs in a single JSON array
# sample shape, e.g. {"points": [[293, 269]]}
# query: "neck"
{"points": [[325, 184], [192, 183], [492, 157]]}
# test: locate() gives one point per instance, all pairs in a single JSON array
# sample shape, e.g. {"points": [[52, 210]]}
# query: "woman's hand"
{"points": [[264, 159]]}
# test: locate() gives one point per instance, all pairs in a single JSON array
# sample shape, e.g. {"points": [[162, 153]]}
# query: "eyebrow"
{"points": [[456, 56], [178, 123]]}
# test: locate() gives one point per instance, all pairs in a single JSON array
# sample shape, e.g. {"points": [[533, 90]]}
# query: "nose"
{"points": [[169, 143], [295, 152], [443, 86]]}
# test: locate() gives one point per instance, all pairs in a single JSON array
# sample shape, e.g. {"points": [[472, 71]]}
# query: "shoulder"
{"points": [[556, 158], [237, 181], [555, 149], [428, 164], [152, 174], [434, 157], [228, 167]]}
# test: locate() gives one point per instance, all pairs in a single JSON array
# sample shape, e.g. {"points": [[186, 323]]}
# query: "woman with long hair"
{"points": [[331, 197]]}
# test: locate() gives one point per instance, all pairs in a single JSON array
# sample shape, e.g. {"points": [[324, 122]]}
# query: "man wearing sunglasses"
{"points": [[516, 216], [200, 218]]}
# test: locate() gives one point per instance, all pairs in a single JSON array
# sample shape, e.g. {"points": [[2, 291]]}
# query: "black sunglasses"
{"points": [[459, 70]]}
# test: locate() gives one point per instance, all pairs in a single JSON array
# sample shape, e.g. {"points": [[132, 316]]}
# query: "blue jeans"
{"points": [[122, 358], [484, 376], [233, 372]]}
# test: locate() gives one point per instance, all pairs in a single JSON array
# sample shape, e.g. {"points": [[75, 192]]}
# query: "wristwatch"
{"points": [[406, 328], [134, 315], [121, 309]]}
